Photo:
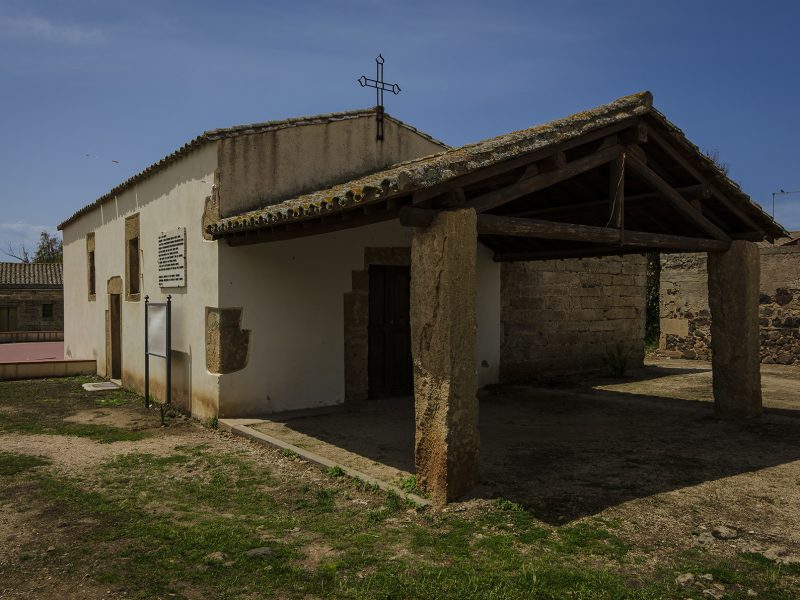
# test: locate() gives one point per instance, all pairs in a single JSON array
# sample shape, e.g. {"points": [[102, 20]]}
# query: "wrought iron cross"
{"points": [[380, 87]]}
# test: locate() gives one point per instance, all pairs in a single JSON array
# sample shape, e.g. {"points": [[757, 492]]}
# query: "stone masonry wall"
{"points": [[563, 316], [29, 308], [686, 321]]}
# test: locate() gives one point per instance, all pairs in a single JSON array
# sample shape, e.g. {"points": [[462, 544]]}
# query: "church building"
{"points": [[348, 257]]}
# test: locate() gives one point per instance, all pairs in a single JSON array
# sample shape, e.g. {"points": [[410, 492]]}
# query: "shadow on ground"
{"points": [[568, 453]]}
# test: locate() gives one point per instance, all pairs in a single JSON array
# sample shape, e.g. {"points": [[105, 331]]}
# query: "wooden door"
{"points": [[8, 318], [115, 331], [390, 369]]}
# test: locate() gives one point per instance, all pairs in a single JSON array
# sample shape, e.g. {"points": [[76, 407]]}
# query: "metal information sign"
{"points": [[157, 342], [157, 329], [172, 258]]}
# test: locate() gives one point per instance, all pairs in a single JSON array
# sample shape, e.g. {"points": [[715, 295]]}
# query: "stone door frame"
{"points": [[356, 321]]}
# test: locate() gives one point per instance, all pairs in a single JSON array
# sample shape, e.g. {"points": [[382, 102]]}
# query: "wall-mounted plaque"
{"points": [[172, 258]]}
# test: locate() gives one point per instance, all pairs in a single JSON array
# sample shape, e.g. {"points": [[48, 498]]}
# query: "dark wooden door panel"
{"points": [[390, 370], [115, 310]]}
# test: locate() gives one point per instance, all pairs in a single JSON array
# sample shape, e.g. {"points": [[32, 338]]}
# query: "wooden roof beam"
{"points": [[534, 228], [565, 253]]}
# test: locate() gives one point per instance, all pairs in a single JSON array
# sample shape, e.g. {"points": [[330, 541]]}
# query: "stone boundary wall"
{"points": [[29, 308], [686, 320], [565, 316]]}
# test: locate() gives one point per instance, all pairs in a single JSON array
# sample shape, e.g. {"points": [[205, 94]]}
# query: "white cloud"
{"points": [[48, 31]]}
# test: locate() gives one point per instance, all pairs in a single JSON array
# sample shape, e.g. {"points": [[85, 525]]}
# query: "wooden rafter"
{"points": [[675, 199], [533, 184], [464, 181], [670, 150]]}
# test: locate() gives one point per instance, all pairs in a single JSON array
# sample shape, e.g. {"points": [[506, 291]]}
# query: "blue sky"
{"points": [[132, 81]]}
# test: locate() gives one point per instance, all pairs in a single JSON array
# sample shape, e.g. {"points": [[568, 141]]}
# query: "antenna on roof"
{"points": [[380, 86], [781, 193]]}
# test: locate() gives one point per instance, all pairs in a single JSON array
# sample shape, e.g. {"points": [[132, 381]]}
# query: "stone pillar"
{"points": [[443, 326], [733, 278]]}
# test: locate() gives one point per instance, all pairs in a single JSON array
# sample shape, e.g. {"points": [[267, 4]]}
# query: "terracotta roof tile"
{"points": [[26, 275]]}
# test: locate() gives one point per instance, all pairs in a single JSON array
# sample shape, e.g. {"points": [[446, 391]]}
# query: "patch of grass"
{"points": [[288, 453], [156, 553], [11, 463], [507, 505], [334, 471], [151, 523], [22, 423], [409, 484], [112, 399], [590, 538], [212, 422]]}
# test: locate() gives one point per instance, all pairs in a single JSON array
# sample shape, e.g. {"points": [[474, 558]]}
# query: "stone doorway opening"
{"points": [[389, 340], [115, 335]]}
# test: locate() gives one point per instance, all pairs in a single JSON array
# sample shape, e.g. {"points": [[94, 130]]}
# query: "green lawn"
{"points": [[183, 523]]}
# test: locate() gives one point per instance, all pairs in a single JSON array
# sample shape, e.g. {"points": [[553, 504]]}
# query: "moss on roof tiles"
{"points": [[438, 168]]}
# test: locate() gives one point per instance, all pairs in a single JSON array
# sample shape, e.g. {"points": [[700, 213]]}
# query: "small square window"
{"points": [[47, 311]]}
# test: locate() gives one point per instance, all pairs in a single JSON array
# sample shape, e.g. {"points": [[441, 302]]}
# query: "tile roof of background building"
{"points": [[27, 275]]}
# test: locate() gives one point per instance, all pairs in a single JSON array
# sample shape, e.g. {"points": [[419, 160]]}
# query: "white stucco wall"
{"points": [[267, 167], [292, 293], [168, 199]]}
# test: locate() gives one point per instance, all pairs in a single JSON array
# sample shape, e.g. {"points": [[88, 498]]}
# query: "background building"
{"points": [[31, 302]]}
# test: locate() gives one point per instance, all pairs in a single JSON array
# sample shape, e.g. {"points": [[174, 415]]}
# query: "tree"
{"points": [[49, 250]]}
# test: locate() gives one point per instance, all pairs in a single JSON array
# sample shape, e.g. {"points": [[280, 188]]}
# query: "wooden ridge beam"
{"points": [[674, 198], [534, 228], [511, 192]]}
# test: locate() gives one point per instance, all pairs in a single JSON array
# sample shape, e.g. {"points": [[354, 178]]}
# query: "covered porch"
{"points": [[619, 179], [577, 446]]}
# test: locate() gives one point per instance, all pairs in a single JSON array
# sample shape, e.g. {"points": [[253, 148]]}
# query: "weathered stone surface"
{"points": [[443, 326], [30, 314], [723, 532], [227, 344], [733, 279], [562, 316], [684, 300], [210, 209]]}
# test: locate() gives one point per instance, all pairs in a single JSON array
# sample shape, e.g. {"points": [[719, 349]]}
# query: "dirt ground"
{"points": [[646, 450], [621, 485], [34, 558]]}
